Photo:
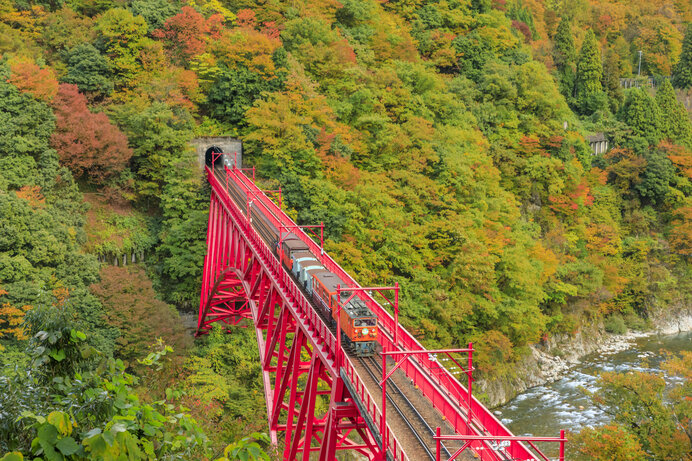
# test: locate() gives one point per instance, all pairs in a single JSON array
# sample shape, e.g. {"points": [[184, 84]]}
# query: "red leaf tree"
{"points": [[187, 33], [87, 143]]}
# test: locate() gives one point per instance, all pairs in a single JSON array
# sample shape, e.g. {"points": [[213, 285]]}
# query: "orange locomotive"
{"points": [[358, 323]]}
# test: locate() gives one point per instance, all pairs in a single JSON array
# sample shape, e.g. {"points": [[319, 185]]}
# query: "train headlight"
{"points": [[365, 331]]}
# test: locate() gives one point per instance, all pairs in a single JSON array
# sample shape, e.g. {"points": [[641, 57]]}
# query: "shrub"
{"points": [[634, 322], [615, 324]]}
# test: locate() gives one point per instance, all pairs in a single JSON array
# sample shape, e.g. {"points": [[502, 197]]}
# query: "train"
{"points": [[358, 323]]}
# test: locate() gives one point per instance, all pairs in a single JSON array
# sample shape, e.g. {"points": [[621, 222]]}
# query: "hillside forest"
{"points": [[444, 144]]}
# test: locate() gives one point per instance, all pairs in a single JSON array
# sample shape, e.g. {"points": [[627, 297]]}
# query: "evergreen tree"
{"points": [[588, 90], [88, 69], [154, 12], [611, 80], [564, 57], [481, 6], [675, 123], [682, 73], [643, 115]]}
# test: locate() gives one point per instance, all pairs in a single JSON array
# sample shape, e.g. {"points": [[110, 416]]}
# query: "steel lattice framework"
{"points": [[244, 282]]}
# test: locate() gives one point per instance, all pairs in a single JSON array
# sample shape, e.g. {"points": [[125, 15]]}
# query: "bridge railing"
{"points": [[445, 392], [310, 316], [373, 410]]}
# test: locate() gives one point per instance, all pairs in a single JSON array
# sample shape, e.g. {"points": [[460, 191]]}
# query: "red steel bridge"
{"points": [[402, 404]]}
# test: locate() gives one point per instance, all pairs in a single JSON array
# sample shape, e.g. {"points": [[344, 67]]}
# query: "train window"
{"points": [[369, 322], [359, 323]]}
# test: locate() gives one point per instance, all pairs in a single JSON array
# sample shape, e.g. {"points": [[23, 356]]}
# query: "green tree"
{"points": [[636, 401], [154, 12], [86, 406], [25, 124], [657, 178], [472, 54], [611, 80], [185, 206], [158, 135], [481, 6], [64, 29], [564, 57], [675, 122], [247, 448], [91, 8], [641, 113], [588, 90], [234, 91], [122, 36], [681, 394], [682, 72], [88, 69]]}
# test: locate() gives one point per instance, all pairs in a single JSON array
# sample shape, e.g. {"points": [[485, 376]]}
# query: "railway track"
{"points": [[403, 406]]}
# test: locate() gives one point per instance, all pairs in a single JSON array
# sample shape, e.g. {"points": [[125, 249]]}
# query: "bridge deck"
{"points": [[410, 415]]}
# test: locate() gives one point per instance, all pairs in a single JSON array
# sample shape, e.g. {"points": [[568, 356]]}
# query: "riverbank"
{"points": [[549, 361], [565, 403]]}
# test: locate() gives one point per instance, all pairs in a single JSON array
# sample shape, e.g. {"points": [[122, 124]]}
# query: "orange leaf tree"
{"points": [[30, 78], [11, 320]]}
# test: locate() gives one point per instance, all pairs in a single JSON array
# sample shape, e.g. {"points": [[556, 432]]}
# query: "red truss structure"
{"points": [[304, 367]]}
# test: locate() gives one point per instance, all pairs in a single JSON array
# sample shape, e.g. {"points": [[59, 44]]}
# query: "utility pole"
{"points": [[639, 72]]}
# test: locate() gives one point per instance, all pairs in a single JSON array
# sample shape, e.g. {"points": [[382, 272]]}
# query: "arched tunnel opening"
{"points": [[212, 155]]}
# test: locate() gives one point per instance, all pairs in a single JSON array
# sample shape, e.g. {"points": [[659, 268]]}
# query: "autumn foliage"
{"points": [[443, 144], [87, 143], [186, 34], [608, 443], [32, 194], [30, 78], [11, 320], [132, 307], [681, 229]]}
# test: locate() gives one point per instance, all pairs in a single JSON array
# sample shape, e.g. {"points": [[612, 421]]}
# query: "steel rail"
{"points": [[401, 413], [408, 402]]}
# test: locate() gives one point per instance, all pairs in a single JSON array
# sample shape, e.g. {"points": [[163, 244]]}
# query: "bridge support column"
{"points": [[329, 443]]}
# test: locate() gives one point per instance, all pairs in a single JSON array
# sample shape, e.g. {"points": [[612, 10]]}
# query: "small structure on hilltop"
{"points": [[598, 143], [228, 144], [638, 82]]}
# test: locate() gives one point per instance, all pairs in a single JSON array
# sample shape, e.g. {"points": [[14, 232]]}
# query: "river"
{"points": [[544, 410]]}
